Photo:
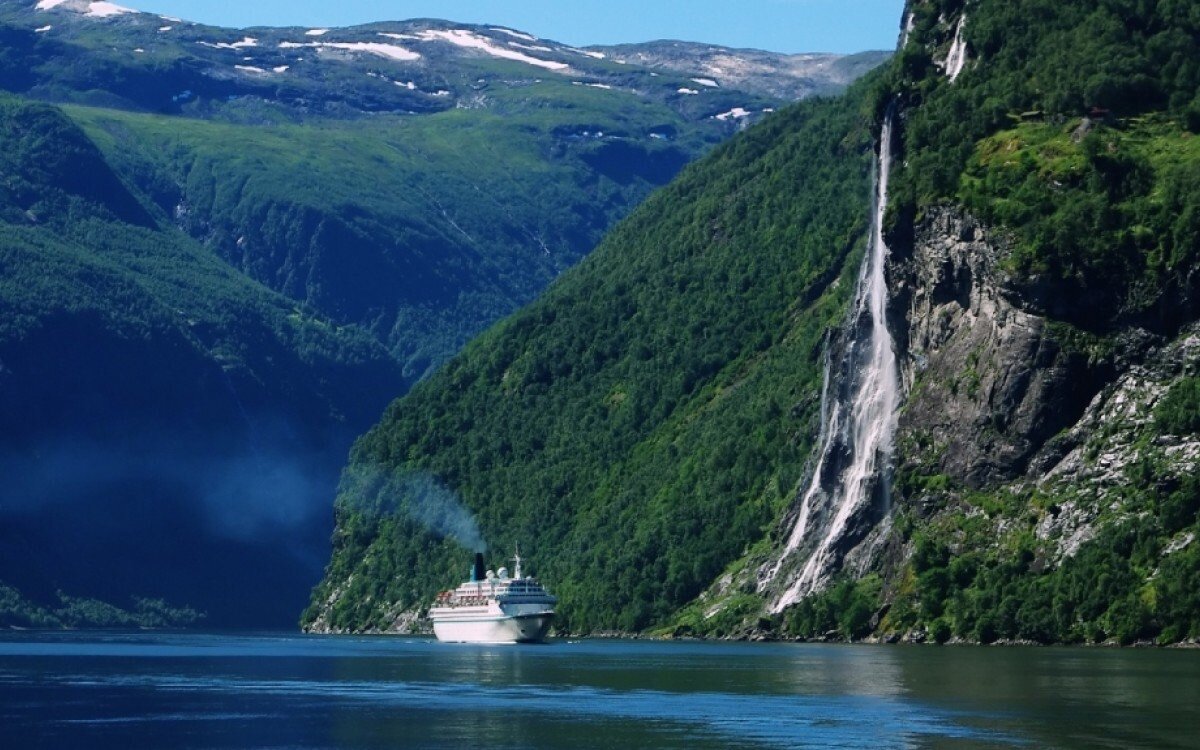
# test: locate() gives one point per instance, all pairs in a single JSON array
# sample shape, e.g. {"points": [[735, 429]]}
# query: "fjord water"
{"points": [[289, 691]]}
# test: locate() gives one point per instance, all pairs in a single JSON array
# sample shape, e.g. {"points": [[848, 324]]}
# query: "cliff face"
{"points": [[987, 381], [1028, 456], [1000, 397]]}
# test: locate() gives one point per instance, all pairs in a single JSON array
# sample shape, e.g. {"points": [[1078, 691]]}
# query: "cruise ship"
{"points": [[493, 607]]}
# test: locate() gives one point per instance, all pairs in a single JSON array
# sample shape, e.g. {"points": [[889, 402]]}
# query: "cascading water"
{"points": [[853, 467], [956, 58]]}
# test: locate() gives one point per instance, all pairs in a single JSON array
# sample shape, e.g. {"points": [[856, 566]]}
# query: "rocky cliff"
{"points": [[987, 381]]}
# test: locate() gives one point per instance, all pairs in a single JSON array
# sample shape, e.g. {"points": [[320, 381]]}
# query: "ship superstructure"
{"points": [[493, 607]]}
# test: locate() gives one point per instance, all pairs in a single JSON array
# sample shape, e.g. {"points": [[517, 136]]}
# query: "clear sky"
{"points": [[778, 25]]}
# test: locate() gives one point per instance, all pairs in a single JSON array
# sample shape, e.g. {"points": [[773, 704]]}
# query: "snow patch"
{"points": [[165, 28], [706, 82], [281, 68], [406, 85], [316, 32], [690, 92], [401, 37], [172, 19], [468, 40], [246, 42], [531, 47], [42, 30], [139, 50], [736, 113], [516, 34], [250, 69], [390, 51], [104, 10], [590, 53], [48, 4]]}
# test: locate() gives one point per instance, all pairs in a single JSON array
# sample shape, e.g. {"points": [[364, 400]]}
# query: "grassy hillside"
{"points": [[643, 423]]}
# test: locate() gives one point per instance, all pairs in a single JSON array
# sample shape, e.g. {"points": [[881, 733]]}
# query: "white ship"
{"points": [[493, 608]]}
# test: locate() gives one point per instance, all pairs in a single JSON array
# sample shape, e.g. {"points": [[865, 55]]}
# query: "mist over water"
{"points": [[416, 495], [239, 529], [238, 496]]}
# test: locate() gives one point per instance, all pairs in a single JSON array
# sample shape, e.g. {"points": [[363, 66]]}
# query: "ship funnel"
{"points": [[477, 571]]}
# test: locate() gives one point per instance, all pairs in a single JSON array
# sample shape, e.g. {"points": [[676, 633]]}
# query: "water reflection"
{"points": [[221, 692], [826, 669]]}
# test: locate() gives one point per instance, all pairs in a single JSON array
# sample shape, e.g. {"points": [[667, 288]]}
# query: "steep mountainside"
{"points": [[1043, 290], [594, 427], [237, 245], [146, 387], [1033, 311], [420, 178]]}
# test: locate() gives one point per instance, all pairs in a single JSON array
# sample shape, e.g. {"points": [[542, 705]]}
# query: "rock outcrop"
{"points": [[988, 382]]}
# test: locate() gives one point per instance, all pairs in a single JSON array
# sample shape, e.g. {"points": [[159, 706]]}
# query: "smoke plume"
{"points": [[418, 496]]}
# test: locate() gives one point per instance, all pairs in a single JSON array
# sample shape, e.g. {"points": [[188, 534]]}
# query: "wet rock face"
{"points": [[988, 384]]}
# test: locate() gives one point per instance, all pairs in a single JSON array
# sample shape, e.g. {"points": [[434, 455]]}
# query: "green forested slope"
{"points": [[239, 244], [78, 243], [420, 229], [143, 384], [1108, 222], [639, 426], [645, 425]]}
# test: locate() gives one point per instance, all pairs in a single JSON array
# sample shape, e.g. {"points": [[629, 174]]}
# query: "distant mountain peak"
{"points": [[85, 8], [415, 66]]}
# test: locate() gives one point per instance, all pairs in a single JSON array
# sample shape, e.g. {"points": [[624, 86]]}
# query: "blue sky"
{"points": [[779, 25]]}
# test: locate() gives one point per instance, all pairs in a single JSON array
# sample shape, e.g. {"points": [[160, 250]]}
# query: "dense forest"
{"points": [[597, 427], [144, 384]]}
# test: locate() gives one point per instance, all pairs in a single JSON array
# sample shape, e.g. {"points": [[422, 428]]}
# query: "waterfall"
{"points": [[859, 410], [910, 22], [956, 58]]}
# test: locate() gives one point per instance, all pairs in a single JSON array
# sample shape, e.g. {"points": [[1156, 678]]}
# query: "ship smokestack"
{"points": [[477, 572]]}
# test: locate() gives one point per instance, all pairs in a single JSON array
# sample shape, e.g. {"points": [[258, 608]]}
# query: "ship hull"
{"points": [[528, 628]]}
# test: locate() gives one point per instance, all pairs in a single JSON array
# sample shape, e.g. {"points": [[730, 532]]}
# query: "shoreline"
{"points": [[886, 640]]}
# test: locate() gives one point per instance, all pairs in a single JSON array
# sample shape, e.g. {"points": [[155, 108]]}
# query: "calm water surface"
{"points": [[291, 691]]}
